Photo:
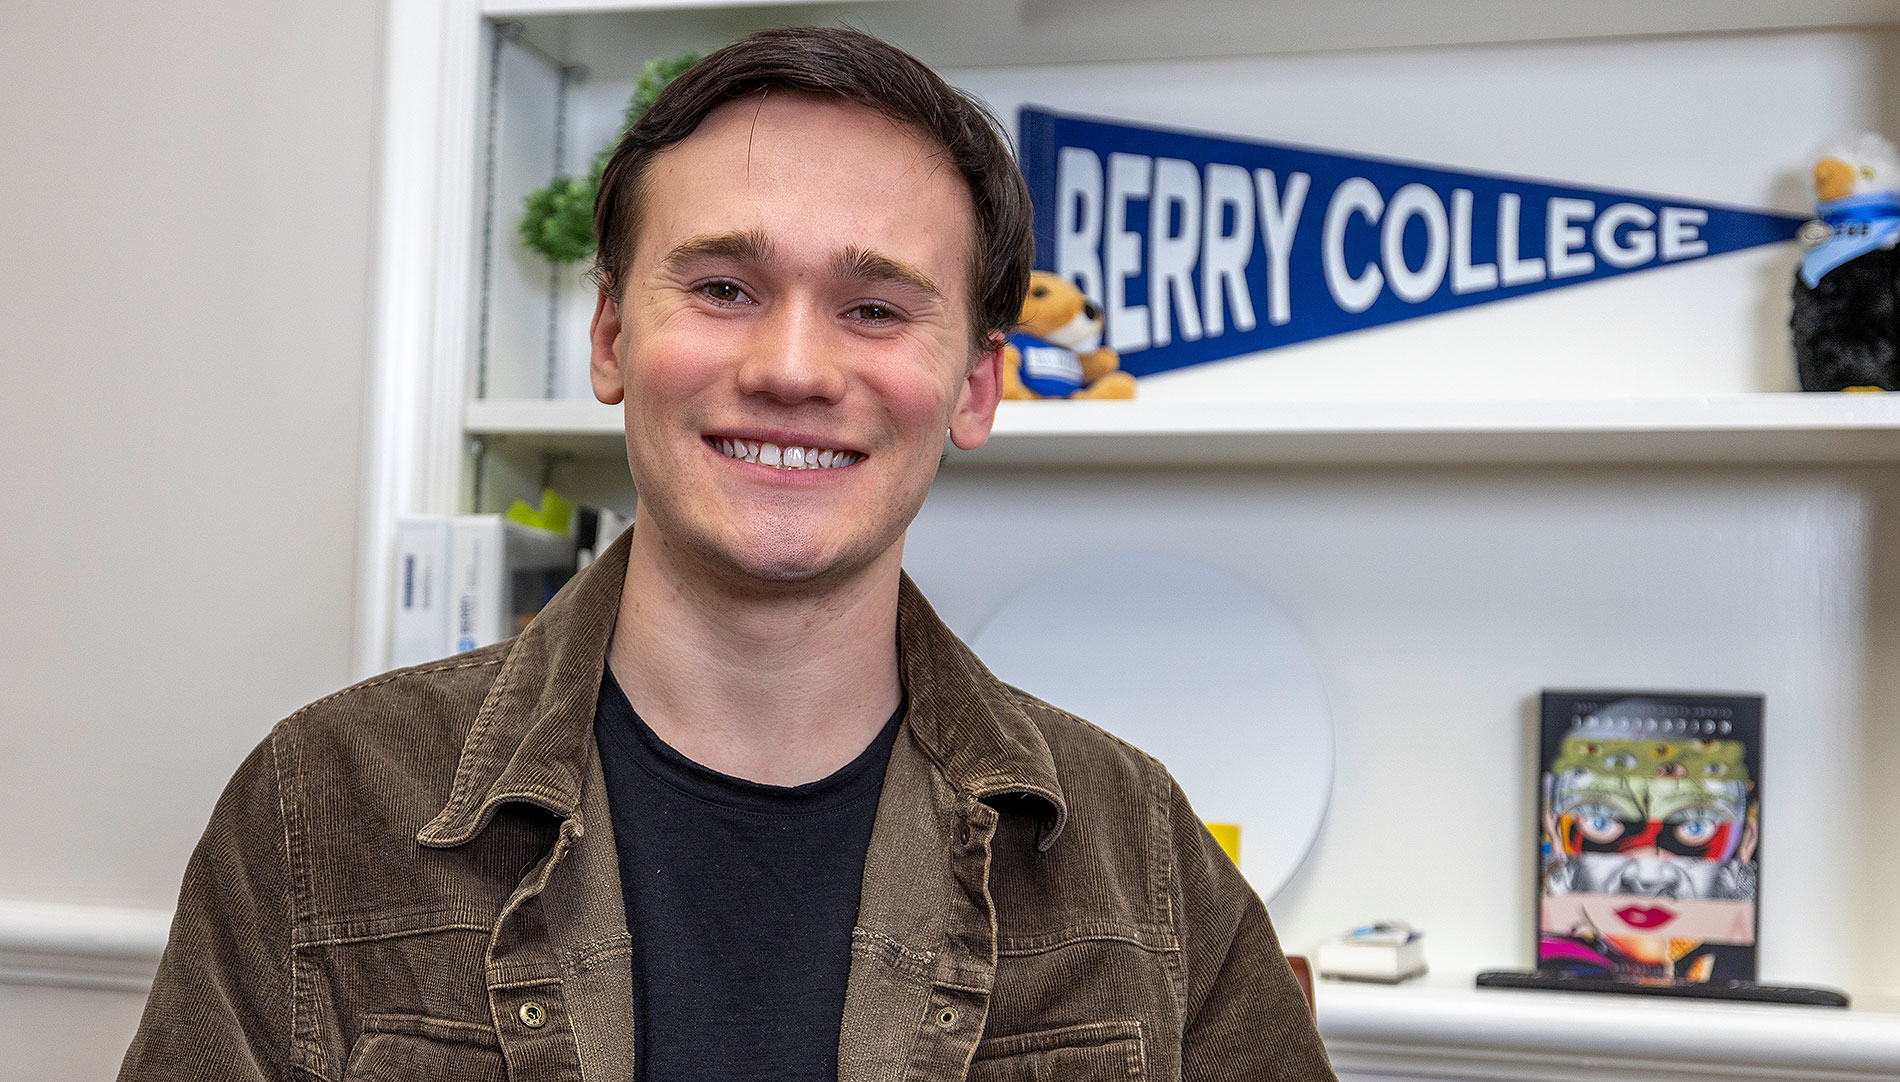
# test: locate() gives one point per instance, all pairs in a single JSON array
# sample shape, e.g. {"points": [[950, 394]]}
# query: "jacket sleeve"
{"points": [[1246, 1017], [220, 1006]]}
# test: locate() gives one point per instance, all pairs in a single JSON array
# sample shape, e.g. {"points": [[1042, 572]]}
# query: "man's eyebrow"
{"points": [[742, 246], [856, 263], [752, 246]]}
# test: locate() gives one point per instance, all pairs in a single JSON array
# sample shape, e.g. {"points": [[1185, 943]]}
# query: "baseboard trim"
{"points": [[81, 946]]}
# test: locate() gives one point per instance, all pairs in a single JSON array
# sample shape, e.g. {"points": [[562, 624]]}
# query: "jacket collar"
{"points": [[968, 722], [533, 736], [532, 739]]}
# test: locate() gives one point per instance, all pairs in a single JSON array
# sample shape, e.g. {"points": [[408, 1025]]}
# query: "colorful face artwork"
{"points": [[1651, 836]]}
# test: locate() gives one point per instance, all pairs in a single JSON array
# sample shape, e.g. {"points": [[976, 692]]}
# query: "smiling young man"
{"points": [[737, 805]]}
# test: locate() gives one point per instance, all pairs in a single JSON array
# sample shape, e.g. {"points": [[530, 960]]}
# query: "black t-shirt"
{"points": [[740, 900]]}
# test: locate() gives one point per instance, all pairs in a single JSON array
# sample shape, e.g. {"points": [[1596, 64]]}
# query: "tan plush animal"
{"points": [[1053, 353]]}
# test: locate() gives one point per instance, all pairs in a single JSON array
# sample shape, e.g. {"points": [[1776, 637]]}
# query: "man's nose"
{"points": [[793, 359]]}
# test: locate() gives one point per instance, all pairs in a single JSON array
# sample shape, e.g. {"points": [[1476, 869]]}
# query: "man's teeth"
{"points": [[785, 458]]}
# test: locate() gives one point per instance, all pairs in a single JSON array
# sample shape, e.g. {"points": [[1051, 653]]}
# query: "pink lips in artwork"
{"points": [[1645, 916]]}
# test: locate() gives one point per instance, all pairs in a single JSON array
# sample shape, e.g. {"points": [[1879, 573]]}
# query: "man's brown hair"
{"points": [[853, 66]]}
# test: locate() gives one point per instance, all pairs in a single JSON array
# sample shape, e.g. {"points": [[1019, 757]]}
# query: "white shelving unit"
{"points": [[1449, 550]]}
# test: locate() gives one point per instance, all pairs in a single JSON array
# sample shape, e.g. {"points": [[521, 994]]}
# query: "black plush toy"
{"points": [[1846, 320]]}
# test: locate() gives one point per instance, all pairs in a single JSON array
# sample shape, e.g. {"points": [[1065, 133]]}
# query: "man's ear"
{"points": [[603, 367], [976, 400]]}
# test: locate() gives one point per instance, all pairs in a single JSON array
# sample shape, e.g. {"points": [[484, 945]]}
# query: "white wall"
{"points": [[184, 293]]}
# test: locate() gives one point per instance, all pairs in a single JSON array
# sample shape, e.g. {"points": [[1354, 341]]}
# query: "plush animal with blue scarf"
{"points": [[1055, 352], [1846, 320]]}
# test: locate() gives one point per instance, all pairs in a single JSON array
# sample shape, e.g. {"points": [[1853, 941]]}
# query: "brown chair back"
{"points": [[1304, 973]]}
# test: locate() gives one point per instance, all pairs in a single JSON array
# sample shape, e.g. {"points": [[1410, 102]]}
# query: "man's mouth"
{"points": [[1645, 916], [783, 458]]}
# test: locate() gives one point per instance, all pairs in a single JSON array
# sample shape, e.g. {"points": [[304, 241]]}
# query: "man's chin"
{"points": [[783, 572], [767, 553], [787, 569]]}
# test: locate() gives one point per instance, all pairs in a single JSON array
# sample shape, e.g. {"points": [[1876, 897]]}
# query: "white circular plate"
{"points": [[1194, 667]]}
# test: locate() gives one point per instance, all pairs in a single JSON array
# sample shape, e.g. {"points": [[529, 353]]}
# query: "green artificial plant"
{"points": [[557, 219]]}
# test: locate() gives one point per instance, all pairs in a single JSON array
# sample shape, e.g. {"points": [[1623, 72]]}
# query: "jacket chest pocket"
{"points": [[1092, 1052], [406, 1049]]}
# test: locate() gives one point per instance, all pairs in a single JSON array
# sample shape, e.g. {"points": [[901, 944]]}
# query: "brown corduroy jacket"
{"points": [[415, 879]]}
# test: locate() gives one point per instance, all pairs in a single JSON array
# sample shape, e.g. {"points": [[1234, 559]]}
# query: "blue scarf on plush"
{"points": [[1861, 224], [1050, 370]]}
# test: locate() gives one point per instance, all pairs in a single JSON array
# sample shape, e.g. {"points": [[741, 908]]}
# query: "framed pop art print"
{"points": [[1649, 849]]}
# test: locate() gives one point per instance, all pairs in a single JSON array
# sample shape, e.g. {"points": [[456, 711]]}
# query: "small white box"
{"points": [[1387, 952]]}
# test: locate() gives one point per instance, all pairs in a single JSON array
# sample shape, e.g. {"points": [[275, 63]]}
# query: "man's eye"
{"points": [[872, 312], [723, 292]]}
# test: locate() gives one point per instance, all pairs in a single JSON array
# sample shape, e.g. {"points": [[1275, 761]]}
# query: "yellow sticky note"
{"points": [[1228, 835], [556, 512]]}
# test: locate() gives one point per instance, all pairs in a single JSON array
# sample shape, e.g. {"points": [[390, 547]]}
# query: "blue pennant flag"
{"points": [[1201, 247]]}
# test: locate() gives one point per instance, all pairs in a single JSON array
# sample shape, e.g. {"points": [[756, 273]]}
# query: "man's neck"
{"points": [[778, 687]]}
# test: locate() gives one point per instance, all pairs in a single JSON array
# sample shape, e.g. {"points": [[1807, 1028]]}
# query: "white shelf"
{"points": [[506, 8], [1758, 429], [1446, 1028], [552, 418], [989, 32]]}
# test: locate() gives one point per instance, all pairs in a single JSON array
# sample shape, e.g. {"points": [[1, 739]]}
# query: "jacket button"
{"points": [[533, 1015], [947, 1017], [963, 834]]}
